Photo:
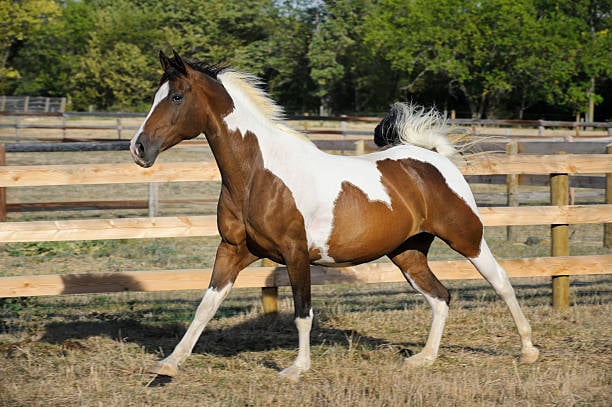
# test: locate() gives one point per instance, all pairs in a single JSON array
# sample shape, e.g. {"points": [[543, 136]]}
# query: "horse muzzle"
{"points": [[143, 153]]}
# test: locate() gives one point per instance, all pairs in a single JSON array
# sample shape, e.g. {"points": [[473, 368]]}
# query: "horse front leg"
{"points": [[299, 275], [229, 261]]}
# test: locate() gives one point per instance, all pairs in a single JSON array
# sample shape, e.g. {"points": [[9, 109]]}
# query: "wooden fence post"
{"points": [[559, 195], [17, 127], [512, 183], [269, 295], [608, 226], [153, 199], [119, 128], [359, 147], [2, 189]]}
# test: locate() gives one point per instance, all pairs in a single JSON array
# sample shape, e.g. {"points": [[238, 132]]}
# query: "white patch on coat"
{"points": [[314, 177], [160, 95]]}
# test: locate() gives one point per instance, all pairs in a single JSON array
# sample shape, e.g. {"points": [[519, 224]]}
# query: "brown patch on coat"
{"points": [[421, 201]]}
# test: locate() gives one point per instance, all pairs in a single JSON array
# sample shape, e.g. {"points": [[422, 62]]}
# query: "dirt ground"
{"points": [[95, 350]]}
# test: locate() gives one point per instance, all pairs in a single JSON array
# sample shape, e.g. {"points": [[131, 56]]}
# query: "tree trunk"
{"points": [[590, 114]]}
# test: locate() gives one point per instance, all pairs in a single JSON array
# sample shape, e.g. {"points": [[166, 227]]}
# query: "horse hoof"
{"points": [[164, 369], [530, 355], [292, 373], [418, 360]]}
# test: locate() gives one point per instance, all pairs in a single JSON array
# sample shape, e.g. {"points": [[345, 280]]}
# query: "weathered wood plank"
{"points": [[14, 176], [538, 164], [78, 174], [198, 279], [99, 229], [546, 215], [191, 226]]}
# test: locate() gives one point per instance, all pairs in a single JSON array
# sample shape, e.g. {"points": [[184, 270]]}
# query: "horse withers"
{"points": [[284, 199]]}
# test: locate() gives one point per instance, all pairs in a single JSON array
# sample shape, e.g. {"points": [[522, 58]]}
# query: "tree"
{"points": [[119, 78], [498, 57], [330, 38], [19, 20], [587, 46], [480, 47], [348, 76], [50, 57], [282, 58]]}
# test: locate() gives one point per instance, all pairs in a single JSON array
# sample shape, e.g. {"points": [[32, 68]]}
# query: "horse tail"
{"points": [[410, 124]]}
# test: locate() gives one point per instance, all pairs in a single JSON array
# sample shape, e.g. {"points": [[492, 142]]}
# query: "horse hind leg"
{"points": [[411, 258], [490, 269]]}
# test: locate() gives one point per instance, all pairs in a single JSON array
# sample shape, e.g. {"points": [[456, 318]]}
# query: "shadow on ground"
{"points": [[257, 334]]}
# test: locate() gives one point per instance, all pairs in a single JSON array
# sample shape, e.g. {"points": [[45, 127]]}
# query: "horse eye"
{"points": [[177, 99]]}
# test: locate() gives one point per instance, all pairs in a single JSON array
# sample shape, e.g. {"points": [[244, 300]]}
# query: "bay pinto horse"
{"points": [[284, 199]]}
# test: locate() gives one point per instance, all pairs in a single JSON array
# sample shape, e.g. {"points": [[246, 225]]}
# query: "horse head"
{"points": [[181, 109]]}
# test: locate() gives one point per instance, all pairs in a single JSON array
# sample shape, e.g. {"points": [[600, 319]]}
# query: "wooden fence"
{"points": [[32, 104], [345, 146], [313, 125], [271, 277]]}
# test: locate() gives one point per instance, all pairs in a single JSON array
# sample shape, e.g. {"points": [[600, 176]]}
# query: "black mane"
{"points": [[175, 71], [211, 70]]}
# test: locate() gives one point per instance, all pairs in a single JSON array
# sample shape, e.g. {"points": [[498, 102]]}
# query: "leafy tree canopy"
{"points": [[487, 59]]}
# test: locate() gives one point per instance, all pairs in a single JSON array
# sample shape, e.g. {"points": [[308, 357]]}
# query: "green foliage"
{"points": [[19, 19], [495, 50], [498, 57]]}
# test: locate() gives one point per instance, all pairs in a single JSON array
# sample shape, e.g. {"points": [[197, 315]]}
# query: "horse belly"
{"points": [[358, 230], [367, 238]]}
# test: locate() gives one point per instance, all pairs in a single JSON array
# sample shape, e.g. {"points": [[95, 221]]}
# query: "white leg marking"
{"points": [[439, 313], [497, 277], [302, 362], [206, 310]]}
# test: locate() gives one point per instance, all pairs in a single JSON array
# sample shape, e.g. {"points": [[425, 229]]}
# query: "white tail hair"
{"points": [[407, 123]]}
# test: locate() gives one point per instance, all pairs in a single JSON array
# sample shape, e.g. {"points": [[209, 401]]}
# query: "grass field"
{"points": [[86, 350], [94, 350]]}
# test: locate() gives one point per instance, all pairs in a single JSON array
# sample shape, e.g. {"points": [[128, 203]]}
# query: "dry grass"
{"points": [[94, 350]]}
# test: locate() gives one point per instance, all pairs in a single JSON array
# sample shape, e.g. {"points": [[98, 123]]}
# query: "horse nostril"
{"points": [[140, 150]]}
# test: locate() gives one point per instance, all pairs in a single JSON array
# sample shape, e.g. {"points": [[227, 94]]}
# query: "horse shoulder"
{"points": [[230, 218]]}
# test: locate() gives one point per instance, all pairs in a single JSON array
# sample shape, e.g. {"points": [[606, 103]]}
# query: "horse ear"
{"points": [[164, 60], [178, 63]]}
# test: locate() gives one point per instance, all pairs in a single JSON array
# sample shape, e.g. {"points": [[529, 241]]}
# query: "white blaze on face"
{"points": [[160, 95]]}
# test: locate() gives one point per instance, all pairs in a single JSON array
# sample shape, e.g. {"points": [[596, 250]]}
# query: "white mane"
{"points": [[256, 100]]}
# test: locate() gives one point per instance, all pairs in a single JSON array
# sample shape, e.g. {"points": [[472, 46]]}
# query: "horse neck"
{"points": [[235, 162], [245, 141], [239, 157]]}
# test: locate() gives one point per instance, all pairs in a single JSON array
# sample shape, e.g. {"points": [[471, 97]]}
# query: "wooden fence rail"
{"points": [[79, 174], [347, 145], [267, 277], [120, 127], [206, 225], [15, 176]]}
